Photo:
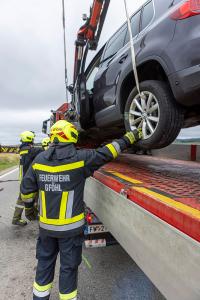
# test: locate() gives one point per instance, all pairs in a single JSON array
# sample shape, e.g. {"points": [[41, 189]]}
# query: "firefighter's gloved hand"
{"points": [[30, 214], [134, 136]]}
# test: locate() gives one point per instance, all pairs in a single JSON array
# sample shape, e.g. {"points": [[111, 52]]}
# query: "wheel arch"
{"points": [[150, 69]]}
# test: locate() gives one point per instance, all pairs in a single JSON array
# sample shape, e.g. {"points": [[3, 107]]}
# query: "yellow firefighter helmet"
{"points": [[27, 137], [63, 132], [45, 142]]}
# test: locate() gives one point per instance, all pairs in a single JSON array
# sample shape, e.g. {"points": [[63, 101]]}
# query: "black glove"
{"points": [[132, 137]]}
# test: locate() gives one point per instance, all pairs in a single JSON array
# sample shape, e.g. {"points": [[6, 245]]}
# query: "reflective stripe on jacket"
{"points": [[59, 175], [27, 154]]}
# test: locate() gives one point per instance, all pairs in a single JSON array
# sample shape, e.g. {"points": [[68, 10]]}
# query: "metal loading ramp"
{"points": [[152, 207]]}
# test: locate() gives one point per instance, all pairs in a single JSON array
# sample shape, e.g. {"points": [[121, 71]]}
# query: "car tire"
{"points": [[166, 114]]}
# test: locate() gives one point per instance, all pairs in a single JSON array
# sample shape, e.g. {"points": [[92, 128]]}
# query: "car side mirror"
{"points": [[44, 126], [71, 88]]}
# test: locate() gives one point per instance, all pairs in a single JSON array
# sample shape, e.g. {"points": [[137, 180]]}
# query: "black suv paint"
{"points": [[166, 37]]}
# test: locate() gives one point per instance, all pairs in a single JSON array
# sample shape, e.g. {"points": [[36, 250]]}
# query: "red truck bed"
{"points": [[169, 189]]}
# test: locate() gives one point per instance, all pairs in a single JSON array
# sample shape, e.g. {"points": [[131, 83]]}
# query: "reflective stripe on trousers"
{"points": [[19, 207], [41, 291], [70, 296], [47, 250], [26, 197]]}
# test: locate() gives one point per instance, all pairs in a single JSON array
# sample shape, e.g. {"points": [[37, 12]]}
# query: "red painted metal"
{"points": [[193, 155], [182, 221], [175, 179], [89, 33], [60, 112]]}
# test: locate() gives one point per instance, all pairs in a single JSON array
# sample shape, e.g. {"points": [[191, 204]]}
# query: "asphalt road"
{"points": [[105, 273]]}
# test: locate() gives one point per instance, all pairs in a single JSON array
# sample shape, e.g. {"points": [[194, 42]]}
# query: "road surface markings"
{"points": [[12, 171], [86, 262]]}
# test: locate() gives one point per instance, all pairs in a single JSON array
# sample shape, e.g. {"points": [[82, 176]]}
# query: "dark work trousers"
{"points": [[19, 207], [47, 250]]}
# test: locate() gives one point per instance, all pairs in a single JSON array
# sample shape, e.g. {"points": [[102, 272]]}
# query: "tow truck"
{"points": [[149, 205]]}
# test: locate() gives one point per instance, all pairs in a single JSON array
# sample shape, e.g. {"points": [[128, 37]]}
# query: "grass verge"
{"points": [[8, 160]]}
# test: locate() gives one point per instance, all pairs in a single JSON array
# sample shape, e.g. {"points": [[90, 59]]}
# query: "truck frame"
{"points": [[151, 207]]}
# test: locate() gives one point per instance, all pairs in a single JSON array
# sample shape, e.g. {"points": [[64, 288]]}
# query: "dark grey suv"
{"points": [[166, 36]]}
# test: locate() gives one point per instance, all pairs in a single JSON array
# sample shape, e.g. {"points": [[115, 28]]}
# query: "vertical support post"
{"points": [[193, 153]]}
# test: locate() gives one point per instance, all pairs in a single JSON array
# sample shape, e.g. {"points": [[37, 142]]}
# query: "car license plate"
{"points": [[91, 229]]}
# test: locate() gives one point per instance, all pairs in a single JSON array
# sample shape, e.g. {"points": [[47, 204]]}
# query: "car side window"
{"points": [[115, 43], [90, 79], [147, 14], [135, 26]]}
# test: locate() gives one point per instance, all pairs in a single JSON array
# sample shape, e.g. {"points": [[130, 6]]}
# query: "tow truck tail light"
{"points": [[89, 218], [186, 10]]}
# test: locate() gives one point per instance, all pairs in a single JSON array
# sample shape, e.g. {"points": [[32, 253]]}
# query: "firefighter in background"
{"points": [[59, 175], [45, 143], [27, 154]]}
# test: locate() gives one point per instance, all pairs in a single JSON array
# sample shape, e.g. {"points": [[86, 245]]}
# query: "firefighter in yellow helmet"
{"points": [[59, 175], [45, 143], [27, 154]]}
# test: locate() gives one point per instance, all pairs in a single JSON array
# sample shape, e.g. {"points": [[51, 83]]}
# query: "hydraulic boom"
{"points": [[89, 34]]}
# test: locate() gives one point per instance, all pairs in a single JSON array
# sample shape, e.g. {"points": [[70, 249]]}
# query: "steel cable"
{"points": [[132, 50], [64, 41]]}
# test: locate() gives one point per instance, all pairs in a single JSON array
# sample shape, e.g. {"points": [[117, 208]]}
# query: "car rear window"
{"points": [[147, 14], [135, 24], [116, 42]]}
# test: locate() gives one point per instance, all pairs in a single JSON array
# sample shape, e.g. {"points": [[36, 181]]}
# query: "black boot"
{"points": [[19, 222]]}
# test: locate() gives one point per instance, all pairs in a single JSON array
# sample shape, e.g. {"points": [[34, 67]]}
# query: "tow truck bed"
{"points": [[170, 189], [152, 207]]}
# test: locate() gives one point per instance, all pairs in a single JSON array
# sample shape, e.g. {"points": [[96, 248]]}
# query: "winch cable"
{"points": [[64, 41], [133, 51]]}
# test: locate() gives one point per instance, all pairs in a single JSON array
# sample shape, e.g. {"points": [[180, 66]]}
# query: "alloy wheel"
{"points": [[144, 113]]}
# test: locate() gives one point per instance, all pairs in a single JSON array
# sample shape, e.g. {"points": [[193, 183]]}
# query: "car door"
{"points": [[157, 30], [104, 84], [115, 58]]}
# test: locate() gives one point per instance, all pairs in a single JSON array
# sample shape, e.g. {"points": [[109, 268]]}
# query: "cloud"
{"points": [[31, 47], [32, 67], [193, 132], [32, 62], [16, 121]]}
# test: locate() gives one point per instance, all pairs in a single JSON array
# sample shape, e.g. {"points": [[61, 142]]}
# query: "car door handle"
{"points": [[123, 58]]}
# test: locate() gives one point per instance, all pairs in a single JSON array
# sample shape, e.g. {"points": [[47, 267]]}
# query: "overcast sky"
{"points": [[31, 58]]}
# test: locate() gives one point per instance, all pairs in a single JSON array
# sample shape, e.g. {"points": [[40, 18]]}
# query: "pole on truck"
{"points": [[64, 42]]}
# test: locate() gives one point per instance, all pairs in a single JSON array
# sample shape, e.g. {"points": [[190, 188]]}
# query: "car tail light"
{"points": [[186, 10]]}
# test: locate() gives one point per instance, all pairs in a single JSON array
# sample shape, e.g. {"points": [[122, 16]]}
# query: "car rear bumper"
{"points": [[186, 86]]}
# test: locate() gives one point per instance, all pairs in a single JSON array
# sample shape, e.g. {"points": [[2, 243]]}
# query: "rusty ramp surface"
{"points": [[170, 189]]}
